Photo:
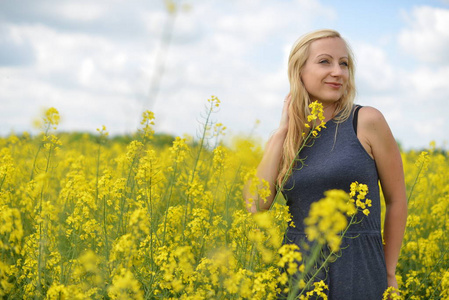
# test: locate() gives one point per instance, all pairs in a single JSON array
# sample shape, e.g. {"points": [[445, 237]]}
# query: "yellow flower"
{"points": [[131, 220], [147, 121], [214, 101], [327, 218], [445, 286], [361, 190], [220, 155], [125, 286], [179, 150], [219, 129], [52, 116], [392, 293], [318, 291], [317, 116], [290, 258]]}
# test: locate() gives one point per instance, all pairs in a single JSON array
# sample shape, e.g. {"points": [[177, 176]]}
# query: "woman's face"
{"points": [[325, 74]]}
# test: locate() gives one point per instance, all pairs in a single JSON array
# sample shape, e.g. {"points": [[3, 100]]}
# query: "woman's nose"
{"points": [[337, 70]]}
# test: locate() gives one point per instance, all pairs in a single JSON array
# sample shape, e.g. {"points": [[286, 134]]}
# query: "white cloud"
{"points": [[88, 11], [427, 36], [96, 68], [429, 82], [428, 129], [413, 100], [81, 75], [220, 60], [373, 69]]}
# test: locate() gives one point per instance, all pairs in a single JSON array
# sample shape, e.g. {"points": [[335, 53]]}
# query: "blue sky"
{"points": [[94, 61]]}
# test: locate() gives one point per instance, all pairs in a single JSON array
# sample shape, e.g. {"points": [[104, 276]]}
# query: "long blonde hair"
{"points": [[300, 99]]}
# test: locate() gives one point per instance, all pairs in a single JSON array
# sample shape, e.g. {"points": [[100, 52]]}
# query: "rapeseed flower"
{"points": [[327, 219], [148, 122], [361, 190], [125, 286], [137, 219], [316, 117], [318, 291]]}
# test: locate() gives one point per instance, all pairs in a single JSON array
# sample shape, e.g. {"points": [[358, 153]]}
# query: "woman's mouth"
{"points": [[334, 85]]}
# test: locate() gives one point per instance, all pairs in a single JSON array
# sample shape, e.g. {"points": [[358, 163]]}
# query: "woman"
{"points": [[321, 68]]}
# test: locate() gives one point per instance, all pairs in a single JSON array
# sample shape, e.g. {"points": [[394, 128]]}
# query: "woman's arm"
{"points": [[268, 168], [376, 136]]}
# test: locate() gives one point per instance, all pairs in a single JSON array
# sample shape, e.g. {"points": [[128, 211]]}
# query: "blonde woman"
{"points": [[354, 146]]}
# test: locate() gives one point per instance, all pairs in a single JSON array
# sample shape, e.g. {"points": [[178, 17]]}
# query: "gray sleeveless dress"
{"points": [[336, 159]]}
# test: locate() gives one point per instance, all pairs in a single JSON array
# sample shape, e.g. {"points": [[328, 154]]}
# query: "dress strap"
{"points": [[356, 117]]}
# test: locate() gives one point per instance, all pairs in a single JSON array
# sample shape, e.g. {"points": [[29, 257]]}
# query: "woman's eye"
{"points": [[344, 63], [324, 61]]}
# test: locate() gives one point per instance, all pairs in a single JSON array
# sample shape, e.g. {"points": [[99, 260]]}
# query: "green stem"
{"points": [[97, 172], [121, 222], [41, 233], [167, 200], [3, 180], [38, 151], [428, 274], [415, 182], [284, 180], [315, 252], [195, 165], [314, 256]]}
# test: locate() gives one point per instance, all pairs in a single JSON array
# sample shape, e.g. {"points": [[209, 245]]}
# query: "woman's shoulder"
{"points": [[370, 117], [374, 130]]}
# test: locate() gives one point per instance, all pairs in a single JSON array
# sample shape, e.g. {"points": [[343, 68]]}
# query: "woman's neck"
{"points": [[329, 111]]}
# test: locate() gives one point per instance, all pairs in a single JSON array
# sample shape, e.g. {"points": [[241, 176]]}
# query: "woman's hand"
{"points": [[284, 117], [392, 281], [268, 168]]}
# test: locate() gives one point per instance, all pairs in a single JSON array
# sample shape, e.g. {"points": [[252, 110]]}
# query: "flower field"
{"points": [[95, 217]]}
